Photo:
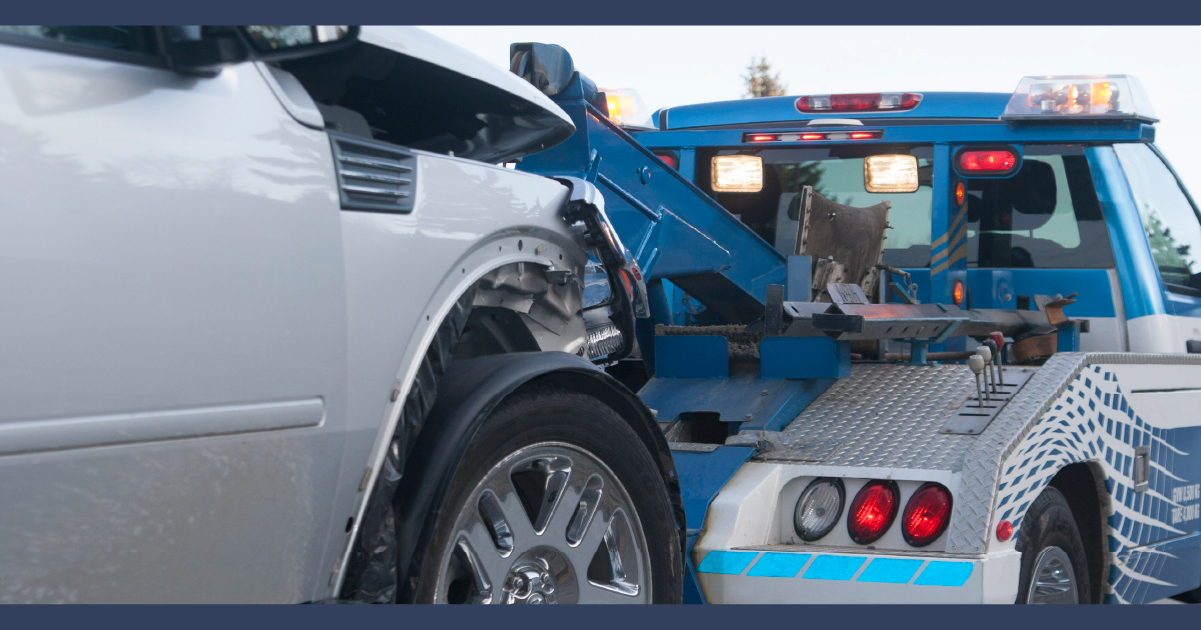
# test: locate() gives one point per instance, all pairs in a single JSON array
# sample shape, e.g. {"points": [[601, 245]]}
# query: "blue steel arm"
{"points": [[675, 230]]}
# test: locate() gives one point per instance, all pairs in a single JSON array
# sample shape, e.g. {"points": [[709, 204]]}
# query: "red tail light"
{"points": [[669, 159], [872, 511], [890, 101], [987, 161], [926, 515]]}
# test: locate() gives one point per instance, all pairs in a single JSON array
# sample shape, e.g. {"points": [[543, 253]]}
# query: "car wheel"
{"points": [[556, 501], [1054, 564]]}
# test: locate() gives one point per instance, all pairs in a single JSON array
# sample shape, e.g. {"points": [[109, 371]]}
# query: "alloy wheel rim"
{"points": [[549, 524], [1054, 579]]}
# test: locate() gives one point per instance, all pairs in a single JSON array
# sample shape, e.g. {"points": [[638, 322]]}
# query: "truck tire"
{"points": [[1189, 597], [555, 501], [1054, 563]]}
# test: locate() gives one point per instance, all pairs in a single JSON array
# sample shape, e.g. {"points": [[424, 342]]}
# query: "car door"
{"points": [[172, 328]]}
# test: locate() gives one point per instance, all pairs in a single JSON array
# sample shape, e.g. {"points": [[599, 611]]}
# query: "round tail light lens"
{"points": [[872, 511], [818, 509], [926, 514]]}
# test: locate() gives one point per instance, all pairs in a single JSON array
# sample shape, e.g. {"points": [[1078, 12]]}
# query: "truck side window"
{"points": [[1046, 216], [1169, 220]]}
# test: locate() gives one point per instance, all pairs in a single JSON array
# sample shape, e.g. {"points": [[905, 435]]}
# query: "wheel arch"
{"points": [[467, 394], [1082, 484]]}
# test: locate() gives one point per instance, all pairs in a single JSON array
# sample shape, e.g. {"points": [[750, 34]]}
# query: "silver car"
{"points": [[277, 325]]}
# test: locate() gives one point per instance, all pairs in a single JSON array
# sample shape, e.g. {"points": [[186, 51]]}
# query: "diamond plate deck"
{"points": [[883, 416]]}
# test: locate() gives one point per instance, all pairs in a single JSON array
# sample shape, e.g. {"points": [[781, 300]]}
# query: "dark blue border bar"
{"points": [[625, 618], [651, 12]]}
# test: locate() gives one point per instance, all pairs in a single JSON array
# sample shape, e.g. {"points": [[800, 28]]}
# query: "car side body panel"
{"points": [[170, 257]]}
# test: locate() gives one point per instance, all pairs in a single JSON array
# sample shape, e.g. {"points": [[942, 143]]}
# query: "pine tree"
{"points": [[760, 81]]}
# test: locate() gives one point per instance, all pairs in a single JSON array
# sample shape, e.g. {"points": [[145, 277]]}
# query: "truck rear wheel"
{"points": [[555, 501], [1054, 564]]}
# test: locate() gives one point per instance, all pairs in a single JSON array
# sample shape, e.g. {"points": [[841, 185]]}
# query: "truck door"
{"points": [[172, 328], [1173, 233], [1042, 231]]}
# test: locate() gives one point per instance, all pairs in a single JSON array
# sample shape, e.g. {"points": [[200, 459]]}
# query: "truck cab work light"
{"points": [[890, 174], [737, 173]]}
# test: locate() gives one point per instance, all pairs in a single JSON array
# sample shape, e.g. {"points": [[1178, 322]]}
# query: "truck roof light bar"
{"points": [[1085, 97]]}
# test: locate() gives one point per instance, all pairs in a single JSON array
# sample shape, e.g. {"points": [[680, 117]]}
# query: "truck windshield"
{"points": [[1168, 218], [836, 173]]}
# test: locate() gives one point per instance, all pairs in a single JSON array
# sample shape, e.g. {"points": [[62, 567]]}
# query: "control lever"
{"points": [[976, 365], [992, 347], [999, 339], [986, 355]]}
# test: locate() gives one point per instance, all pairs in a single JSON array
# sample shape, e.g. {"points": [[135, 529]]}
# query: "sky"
{"points": [[678, 65]]}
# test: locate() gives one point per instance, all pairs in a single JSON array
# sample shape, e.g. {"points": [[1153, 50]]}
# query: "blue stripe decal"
{"points": [[834, 568], [782, 565], [890, 570], [726, 562], [939, 573]]}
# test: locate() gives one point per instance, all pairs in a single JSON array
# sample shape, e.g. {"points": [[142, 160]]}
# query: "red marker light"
{"points": [[872, 511], [987, 161], [812, 136], [880, 101], [763, 138], [860, 135], [957, 293], [1004, 531], [926, 514], [669, 159]]}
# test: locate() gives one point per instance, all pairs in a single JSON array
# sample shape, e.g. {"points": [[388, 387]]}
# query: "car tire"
{"points": [[556, 500], [1054, 563]]}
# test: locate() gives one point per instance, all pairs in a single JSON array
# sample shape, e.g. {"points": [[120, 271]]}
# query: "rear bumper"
{"points": [[812, 577]]}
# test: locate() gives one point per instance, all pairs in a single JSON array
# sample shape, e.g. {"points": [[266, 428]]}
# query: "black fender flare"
{"points": [[467, 394]]}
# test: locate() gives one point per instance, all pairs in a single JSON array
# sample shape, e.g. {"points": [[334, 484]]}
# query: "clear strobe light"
{"points": [[819, 508]]}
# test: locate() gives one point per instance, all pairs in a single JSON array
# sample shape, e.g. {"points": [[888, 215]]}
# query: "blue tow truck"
{"points": [[935, 347]]}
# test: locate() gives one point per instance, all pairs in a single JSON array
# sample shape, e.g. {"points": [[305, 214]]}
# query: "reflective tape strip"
{"points": [[784, 565], [834, 568], [890, 570], [841, 568], [726, 562], [940, 573]]}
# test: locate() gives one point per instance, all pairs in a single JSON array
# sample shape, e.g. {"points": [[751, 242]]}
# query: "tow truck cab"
{"points": [[1057, 188]]}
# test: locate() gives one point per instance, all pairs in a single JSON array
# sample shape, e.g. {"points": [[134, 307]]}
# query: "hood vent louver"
{"points": [[374, 176]]}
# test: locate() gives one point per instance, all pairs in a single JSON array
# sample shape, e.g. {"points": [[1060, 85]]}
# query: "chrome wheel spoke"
{"points": [[594, 537], [561, 515], [1053, 580], [593, 594]]}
